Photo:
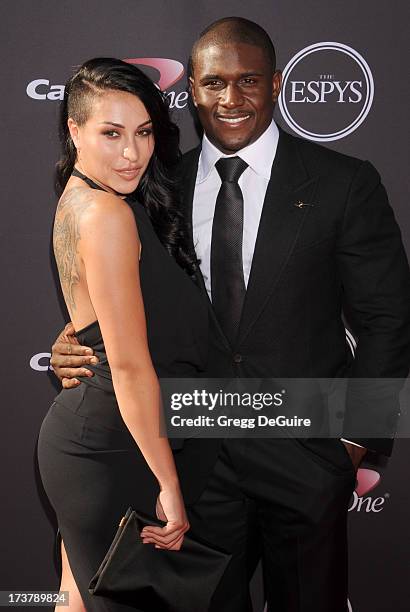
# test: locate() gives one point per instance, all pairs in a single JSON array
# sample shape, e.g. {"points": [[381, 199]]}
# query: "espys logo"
{"points": [[327, 91], [367, 480], [169, 72]]}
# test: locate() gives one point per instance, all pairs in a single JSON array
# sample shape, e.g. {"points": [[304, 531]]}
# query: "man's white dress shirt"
{"points": [[253, 182]]}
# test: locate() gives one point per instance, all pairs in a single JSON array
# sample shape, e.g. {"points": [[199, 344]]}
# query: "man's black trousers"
{"points": [[298, 493]]}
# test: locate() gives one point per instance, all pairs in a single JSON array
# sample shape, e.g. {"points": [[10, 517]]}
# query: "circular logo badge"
{"points": [[327, 91]]}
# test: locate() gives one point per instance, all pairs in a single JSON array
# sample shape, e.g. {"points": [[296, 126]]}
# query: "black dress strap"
{"points": [[85, 178]]}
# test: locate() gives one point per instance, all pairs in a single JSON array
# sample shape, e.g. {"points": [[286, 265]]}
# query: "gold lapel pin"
{"points": [[300, 204]]}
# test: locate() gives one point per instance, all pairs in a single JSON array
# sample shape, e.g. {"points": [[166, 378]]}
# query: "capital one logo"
{"points": [[327, 91], [41, 362], [168, 72], [367, 480]]}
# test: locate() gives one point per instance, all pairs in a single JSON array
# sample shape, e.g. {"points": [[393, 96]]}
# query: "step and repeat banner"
{"points": [[345, 86]]}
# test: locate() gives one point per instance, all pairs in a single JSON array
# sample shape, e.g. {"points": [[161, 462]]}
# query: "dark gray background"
{"points": [[45, 39]]}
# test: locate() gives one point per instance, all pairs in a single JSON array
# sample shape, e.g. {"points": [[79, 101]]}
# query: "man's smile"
{"points": [[233, 119]]}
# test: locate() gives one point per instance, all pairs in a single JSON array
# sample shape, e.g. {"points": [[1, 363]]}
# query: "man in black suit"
{"points": [[287, 233]]}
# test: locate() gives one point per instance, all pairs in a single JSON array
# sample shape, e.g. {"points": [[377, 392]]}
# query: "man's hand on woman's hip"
{"points": [[68, 358]]}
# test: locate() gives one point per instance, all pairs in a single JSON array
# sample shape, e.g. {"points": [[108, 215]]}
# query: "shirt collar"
{"points": [[259, 155]]}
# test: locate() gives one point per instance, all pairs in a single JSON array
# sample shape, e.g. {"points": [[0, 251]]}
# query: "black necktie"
{"points": [[227, 282]]}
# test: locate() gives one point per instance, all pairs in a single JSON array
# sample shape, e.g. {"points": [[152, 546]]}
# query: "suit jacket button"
{"points": [[237, 358]]}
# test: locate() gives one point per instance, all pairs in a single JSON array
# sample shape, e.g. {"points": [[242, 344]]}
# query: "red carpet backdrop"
{"points": [[344, 86]]}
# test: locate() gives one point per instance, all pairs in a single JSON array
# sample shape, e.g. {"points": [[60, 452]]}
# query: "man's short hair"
{"points": [[234, 30]]}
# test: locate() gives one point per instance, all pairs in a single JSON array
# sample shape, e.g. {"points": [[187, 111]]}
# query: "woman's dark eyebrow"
{"points": [[119, 125], [111, 123]]}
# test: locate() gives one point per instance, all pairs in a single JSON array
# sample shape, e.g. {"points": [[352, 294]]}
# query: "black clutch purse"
{"points": [[150, 579]]}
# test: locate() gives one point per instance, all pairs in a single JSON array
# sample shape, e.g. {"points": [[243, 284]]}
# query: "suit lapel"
{"points": [[189, 172], [280, 224]]}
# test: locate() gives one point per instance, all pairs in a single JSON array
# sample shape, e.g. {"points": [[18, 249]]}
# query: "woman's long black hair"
{"points": [[158, 189]]}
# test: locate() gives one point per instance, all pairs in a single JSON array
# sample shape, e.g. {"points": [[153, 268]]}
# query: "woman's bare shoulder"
{"points": [[79, 200], [81, 210]]}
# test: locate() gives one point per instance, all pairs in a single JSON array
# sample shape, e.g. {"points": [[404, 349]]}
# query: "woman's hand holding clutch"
{"points": [[170, 508]]}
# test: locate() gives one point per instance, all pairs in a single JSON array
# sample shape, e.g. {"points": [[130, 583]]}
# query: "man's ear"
{"points": [[192, 91], [276, 84], [73, 129]]}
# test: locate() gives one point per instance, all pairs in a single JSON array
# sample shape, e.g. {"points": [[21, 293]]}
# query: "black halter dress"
{"points": [[91, 467]]}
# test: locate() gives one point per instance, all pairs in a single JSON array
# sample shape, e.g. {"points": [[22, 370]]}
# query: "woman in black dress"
{"points": [[125, 268]]}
